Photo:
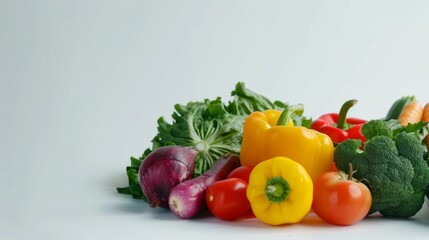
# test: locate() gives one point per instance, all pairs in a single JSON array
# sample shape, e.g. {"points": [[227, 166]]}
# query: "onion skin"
{"points": [[163, 169], [187, 199]]}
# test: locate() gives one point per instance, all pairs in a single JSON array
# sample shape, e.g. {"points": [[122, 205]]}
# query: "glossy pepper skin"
{"points": [[280, 191], [338, 127], [271, 133]]}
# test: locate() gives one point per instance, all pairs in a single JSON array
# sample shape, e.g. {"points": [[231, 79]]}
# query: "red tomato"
{"points": [[334, 167], [340, 201], [227, 200], [242, 172]]}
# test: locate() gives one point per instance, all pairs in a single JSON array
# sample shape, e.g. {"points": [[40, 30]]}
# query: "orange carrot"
{"points": [[425, 118], [412, 113], [425, 115]]}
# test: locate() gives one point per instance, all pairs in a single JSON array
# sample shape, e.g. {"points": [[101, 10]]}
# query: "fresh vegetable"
{"points": [[212, 127], [272, 133], [163, 169], [425, 114], [338, 127], [340, 199], [425, 119], [391, 164], [188, 198], [412, 113], [280, 191], [416, 116], [242, 172], [227, 200], [397, 107]]}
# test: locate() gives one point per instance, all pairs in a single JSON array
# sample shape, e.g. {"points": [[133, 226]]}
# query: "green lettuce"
{"points": [[212, 127]]}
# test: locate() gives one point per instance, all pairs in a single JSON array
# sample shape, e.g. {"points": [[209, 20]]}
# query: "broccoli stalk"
{"points": [[391, 164]]}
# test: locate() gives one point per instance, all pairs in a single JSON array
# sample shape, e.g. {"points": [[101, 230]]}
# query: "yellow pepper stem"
{"points": [[288, 112], [277, 189]]}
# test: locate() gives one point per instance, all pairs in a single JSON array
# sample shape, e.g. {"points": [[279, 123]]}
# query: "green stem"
{"points": [[350, 175], [342, 123], [277, 189], [288, 112]]}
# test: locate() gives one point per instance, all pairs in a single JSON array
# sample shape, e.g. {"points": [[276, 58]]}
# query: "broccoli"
{"points": [[391, 164]]}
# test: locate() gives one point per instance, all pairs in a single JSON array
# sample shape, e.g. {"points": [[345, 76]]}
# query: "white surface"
{"points": [[83, 82]]}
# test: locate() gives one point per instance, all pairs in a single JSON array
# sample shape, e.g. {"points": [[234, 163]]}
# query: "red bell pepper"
{"points": [[338, 127]]}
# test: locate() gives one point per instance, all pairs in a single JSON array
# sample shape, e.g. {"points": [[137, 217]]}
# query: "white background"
{"points": [[83, 82]]}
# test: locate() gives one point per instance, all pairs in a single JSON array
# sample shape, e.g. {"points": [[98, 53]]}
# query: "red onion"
{"points": [[163, 169], [187, 199]]}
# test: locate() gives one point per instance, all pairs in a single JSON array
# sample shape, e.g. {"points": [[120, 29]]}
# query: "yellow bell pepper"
{"points": [[280, 191], [272, 133]]}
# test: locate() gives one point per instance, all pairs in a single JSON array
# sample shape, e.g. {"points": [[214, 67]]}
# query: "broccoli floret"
{"points": [[409, 147], [376, 128], [391, 165], [407, 208]]}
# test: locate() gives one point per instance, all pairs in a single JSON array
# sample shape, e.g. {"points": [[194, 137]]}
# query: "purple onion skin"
{"points": [[187, 199], [163, 169]]}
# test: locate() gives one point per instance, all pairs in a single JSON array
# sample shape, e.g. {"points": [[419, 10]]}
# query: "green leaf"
{"points": [[135, 162], [124, 190], [419, 130], [246, 101], [302, 121], [213, 127]]}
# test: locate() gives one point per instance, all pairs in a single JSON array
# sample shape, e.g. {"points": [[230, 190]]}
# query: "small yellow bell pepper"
{"points": [[280, 191], [272, 133]]}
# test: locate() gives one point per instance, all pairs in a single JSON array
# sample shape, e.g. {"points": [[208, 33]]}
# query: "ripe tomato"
{"points": [[242, 172], [340, 200], [227, 200]]}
